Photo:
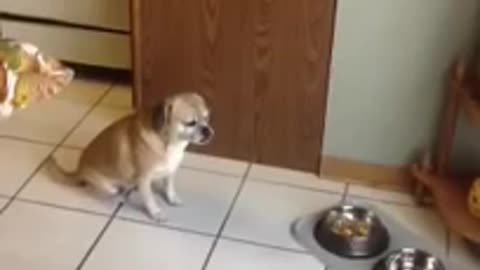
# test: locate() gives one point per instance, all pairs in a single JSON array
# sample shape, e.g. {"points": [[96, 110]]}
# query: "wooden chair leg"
{"points": [[421, 194], [448, 125]]}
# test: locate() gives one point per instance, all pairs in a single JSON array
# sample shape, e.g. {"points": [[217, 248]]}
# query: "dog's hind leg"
{"points": [[101, 183]]}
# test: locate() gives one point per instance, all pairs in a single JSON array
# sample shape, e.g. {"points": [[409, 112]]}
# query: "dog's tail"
{"points": [[63, 176]]}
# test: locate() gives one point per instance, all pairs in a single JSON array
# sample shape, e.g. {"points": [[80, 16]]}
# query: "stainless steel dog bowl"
{"points": [[474, 247], [352, 232], [409, 259]]}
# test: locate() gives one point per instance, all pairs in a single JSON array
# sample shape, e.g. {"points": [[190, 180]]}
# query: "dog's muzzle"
{"points": [[206, 133]]}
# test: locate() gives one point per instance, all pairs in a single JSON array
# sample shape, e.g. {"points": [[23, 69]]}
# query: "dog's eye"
{"points": [[191, 123]]}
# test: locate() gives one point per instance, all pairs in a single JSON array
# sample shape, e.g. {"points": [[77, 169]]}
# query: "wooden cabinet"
{"points": [[262, 64], [91, 32], [108, 14], [77, 45]]}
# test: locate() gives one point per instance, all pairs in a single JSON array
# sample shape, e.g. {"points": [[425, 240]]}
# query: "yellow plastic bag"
{"points": [[474, 199], [27, 76]]}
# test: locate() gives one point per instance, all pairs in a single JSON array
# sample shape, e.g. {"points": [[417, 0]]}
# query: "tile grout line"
{"points": [[162, 226], [210, 235], [269, 246], [99, 237], [192, 168], [166, 227], [26, 140], [54, 149], [299, 187], [5, 199], [71, 147], [345, 193], [76, 147], [27, 181], [226, 218], [61, 207], [39, 142], [391, 203]]}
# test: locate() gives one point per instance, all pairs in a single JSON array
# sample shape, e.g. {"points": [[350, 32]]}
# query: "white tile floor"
{"points": [[236, 215]]}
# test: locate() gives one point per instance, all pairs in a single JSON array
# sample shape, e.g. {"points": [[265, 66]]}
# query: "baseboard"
{"points": [[367, 174]]}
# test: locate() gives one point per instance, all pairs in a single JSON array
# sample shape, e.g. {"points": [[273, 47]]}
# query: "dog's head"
{"points": [[186, 116]]}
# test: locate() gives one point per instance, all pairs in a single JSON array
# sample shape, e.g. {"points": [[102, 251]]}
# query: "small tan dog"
{"points": [[145, 148]]}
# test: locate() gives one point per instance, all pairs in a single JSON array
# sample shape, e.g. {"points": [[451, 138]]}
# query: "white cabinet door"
{"points": [[110, 14], [72, 44]]}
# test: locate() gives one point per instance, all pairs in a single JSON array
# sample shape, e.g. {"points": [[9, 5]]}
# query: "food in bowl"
{"points": [[351, 231], [349, 228]]}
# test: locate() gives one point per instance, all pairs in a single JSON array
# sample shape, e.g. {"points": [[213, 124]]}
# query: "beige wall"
{"points": [[388, 66]]}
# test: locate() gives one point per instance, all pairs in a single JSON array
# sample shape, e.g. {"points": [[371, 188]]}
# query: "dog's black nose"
{"points": [[206, 131]]}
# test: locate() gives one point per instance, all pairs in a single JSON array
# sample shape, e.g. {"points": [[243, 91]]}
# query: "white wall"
{"points": [[388, 67]]}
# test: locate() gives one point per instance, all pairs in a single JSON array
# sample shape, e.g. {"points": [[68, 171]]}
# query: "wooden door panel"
{"points": [[201, 46], [262, 64], [291, 63]]}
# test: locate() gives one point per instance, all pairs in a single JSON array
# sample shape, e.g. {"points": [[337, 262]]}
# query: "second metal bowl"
{"points": [[474, 248], [352, 232], [409, 259]]}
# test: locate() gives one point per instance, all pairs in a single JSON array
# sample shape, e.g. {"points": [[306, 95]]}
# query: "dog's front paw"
{"points": [[174, 200], [157, 214]]}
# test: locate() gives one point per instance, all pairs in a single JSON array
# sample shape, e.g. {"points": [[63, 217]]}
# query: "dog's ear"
{"points": [[161, 114], [158, 116]]}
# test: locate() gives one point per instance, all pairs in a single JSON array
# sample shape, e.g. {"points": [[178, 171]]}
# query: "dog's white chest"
{"points": [[173, 157]]}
